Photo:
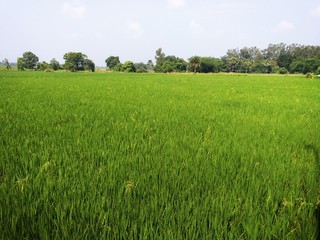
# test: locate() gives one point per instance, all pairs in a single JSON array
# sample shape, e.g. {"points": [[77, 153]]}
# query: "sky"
{"points": [[135, 29]]}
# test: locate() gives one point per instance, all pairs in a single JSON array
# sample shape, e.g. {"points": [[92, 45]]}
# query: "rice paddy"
{"points": [[158, 156]]}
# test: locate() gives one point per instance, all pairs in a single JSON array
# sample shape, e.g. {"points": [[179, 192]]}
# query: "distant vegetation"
{"points": [[277, 58]]}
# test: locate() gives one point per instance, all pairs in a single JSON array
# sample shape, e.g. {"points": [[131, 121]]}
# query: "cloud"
{"points": [[284, 26], [176, 3], [74, 9], [196, 27], [135, 29], [316, 12]]}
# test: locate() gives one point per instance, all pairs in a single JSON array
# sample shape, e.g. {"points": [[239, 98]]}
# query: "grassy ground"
{"points": [[158, 156]]}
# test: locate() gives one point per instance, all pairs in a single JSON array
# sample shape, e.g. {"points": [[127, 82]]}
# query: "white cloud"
{"points": [[284, 26], [135, 29], [316, 12], [176, 3], [196, 27], [75, 9]]}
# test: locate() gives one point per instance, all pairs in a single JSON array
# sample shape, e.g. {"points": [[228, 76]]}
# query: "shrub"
{"points": [[309, 75], [283, 70]]}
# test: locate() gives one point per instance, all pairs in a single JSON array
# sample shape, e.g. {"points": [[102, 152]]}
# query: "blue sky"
{"points": [[135, 29]]}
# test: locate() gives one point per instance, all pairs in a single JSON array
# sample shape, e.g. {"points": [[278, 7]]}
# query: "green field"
{"points": [[158, 156]]}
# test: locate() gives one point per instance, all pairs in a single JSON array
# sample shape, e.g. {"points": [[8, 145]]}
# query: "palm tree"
{"points": [[195, 63]]}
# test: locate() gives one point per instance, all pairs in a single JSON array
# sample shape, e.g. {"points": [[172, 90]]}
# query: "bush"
{"points": [[141, 70], [283, 70], [310, 75], [49, 69]]}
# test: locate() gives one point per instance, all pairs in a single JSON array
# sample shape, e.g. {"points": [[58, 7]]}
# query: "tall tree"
{"points": [[29, 60], [6, 63], [112, 61], [55, 64], [150, 66], [20, 64], [77, 61], [89, 65], [159, 56], [284, 59], [194, 64]]}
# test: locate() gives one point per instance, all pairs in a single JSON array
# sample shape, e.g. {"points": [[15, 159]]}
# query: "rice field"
{"points": [[158, 156]]}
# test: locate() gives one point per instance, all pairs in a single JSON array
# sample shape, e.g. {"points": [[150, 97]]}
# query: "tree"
{"points": [[42, 66], [194, 64], [74, 61], [20, 64], [141, 67], [129, 67], [89, 65], [55, 65], [112, 61], [118, 67], [159, 56], [210, 64], [150, 66], [77, 61], [6, 63], [284, 59], [28, 61]]}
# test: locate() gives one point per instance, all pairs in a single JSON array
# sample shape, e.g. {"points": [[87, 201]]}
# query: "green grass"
{"points": [[158, 156]]}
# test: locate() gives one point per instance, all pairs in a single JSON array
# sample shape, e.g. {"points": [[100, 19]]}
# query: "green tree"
{"points": [[89, 65], [42, 66], [150, 66], [118, 67], [284, 59], [141, 67], [73, 61], [6, 63], [20, 64], [77, 61], [159, 56], [129, 67], [55, 65], [112, 61], [210, 64], [194, 64], [29, 60]]}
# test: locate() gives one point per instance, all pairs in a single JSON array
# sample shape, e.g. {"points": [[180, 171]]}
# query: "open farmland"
{"points": [[158, 156]]}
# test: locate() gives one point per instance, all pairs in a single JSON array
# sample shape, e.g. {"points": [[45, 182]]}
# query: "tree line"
{"points": [[276, 58], [74, 61]]}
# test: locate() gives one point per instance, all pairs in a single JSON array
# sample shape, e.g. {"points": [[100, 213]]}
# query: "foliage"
{"points": [[89, 65], [159, 156], [112, 62], [28, 61], [20, 64], [209, 64], [42, 66], [194, 64], [118, 67], [309, 75], [6, 63], [77, 61], [128, 67], [55, 65], [293, 57], [159, 57], [283, 70], [150, 66], [141, 67]]}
